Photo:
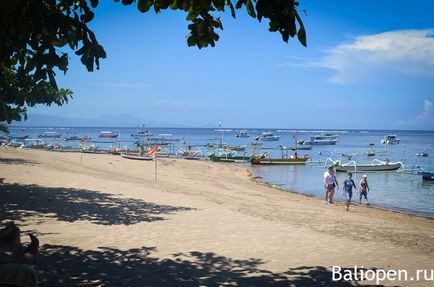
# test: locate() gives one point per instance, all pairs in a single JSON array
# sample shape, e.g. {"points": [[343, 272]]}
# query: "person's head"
{"points": [[350, 175], [10, 234], [330, 169], [364, 177]]}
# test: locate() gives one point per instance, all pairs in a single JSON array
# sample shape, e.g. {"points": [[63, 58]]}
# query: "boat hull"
{"points": [[364, 168], [229, 158], [332, 142], [136, 156], [278, 161], [427, 175]]}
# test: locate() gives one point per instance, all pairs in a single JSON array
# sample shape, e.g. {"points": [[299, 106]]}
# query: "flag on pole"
{"points": [[153, 150]]}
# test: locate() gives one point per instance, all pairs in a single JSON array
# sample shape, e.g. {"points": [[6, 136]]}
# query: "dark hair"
{"points": [[350, 173], [9, 233]]}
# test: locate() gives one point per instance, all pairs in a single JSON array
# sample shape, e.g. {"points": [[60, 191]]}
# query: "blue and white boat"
{"points": [[267, 136]]}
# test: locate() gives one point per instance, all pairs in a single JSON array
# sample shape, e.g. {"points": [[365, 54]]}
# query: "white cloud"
{"points": [[408, 52], [427, 113], [424, 119]]}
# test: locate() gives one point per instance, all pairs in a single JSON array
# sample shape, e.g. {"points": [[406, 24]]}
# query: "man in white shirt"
{"points": [[330, 183]]}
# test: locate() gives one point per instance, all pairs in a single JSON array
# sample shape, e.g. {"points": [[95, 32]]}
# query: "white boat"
{"points": [[267, 136], [390, 139], [53, 135], [141, 134], [243, 134], [321, 139], [136, 156], [375, 165], [422, 153]]}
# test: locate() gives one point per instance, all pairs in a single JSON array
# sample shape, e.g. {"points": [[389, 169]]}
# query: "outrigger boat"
{"points": [[375, 165], [229, 157], [148, 155], [136, 156], [265, 159]]}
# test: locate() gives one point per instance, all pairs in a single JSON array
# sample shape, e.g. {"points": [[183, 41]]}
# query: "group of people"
{"points": [[330, 183]]}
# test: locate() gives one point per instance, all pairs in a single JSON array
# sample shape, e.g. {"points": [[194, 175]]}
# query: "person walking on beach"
{"points": [[348, 190], [330, 183], [364, 188]]}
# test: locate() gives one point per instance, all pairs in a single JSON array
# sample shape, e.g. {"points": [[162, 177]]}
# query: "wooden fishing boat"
{"points": [[136, 156], [229, 158], [375, 165], [265, 159]]}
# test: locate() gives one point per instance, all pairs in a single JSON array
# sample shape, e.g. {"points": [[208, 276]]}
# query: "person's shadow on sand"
{"points": [[70, 266]]}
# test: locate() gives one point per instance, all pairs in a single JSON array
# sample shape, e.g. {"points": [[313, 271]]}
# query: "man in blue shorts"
{"points": [[348, 189]]}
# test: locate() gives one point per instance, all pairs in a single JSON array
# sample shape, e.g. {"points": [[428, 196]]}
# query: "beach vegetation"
{"points": [[38, 34]]}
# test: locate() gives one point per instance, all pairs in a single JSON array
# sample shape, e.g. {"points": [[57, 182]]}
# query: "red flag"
{"points": [[153, 150]]}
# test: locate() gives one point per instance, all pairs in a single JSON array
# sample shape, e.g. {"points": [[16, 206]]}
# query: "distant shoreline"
{"points": [[283, 130]]}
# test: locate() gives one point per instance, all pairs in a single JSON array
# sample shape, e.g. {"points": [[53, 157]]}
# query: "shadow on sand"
{"points": [[68, 204], [70, 266], [17, 161]]}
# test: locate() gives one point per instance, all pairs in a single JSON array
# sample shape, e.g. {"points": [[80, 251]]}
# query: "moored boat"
{"points": [[71, 138], [108, 135], [427, 175], [229, 157], [422, 153], [321, 139], [136, 156], [375, 165], [390, 139], [265, 159], [243, 134], [267, 136], [53, 135]]}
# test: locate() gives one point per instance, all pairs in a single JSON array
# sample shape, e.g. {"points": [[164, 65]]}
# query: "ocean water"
{"points": [[393, 190]]}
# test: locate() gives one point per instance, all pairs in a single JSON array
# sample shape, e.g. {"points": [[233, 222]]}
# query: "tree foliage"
{"points": [[36, 34]]}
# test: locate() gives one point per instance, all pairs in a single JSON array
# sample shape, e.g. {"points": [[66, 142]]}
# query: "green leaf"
{"points": [[191, 41], [144, 5], [301, 34], [94, 3], [231, 6], [250, 9], [240, 3]]}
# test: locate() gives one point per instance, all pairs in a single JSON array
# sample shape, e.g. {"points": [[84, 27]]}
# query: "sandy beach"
{"points": [[103, 221]]}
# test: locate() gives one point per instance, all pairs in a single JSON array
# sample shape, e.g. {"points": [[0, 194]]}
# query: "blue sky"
{"points": [[368, 65]]}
